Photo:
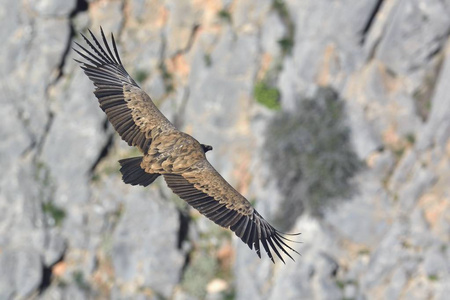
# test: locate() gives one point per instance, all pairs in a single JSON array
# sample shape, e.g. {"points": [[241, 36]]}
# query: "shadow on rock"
{"points": [[311, 156]]}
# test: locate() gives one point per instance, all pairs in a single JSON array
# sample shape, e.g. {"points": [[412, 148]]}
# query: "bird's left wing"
{"points": [[208, 192], [129, 109]]}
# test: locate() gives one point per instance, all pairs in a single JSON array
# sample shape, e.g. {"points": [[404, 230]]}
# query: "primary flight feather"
{"points": [[175, 155]]}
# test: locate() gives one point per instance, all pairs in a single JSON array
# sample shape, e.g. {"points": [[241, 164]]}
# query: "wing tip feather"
{"points": [[250, 227], [272, 240]]}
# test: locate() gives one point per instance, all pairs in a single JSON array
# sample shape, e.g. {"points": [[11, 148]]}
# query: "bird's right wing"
{"points": [[129, 109], [208, 192]]}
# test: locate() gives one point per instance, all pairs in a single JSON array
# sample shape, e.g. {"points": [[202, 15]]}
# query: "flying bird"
{"points": [[175, 155]]}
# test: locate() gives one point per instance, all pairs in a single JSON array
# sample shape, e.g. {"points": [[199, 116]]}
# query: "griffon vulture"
{"points": [[175, 155]]}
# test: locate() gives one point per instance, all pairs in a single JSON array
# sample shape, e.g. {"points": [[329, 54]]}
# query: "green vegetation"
{"points": [[433, 277], [287, 42], [280, 7], [218, 233], [224, 15], [266, 95], [399, 151], [340, 284], [108, 166], [424, 93], [311, 156], [264, 91], [55, 214], [395, 197], [42, 174], [96, 177], [405, 244], [141, 76], [364, 251], [79, 280], [411, 138], [207, 58], [107, 169], [167, 77], [61, 283], [229, 295], [210, 259], [199, 273]]}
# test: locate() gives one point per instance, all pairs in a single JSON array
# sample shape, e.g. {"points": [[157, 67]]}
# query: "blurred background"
{"points": [[331, 117]]}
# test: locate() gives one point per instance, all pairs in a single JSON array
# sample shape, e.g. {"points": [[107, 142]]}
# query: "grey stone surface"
{"points": [[65, 144], [233, 66], [313, 274], [54, 8], [436, 130], [435, 263], [20, 273], [272, 31], [54, 245], [64, 209], [416, 31], [15, 33], [134, 253], [14, 135], [369, 220]]}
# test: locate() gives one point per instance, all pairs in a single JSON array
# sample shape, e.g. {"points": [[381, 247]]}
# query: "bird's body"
{"points": [[173, 152], [170, 153]]}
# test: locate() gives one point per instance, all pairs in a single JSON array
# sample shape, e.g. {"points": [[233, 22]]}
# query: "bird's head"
{"points": [[206, 148]]}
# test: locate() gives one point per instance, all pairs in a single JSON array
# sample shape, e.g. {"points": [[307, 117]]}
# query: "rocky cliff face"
{"points": [[332, 117]]}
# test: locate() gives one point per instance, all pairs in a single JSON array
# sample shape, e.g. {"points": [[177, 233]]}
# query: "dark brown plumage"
{"points": [[175, 155]]}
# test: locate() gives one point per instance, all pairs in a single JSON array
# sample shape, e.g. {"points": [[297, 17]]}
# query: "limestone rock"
{"points": [[70, 228], [54, 8]]}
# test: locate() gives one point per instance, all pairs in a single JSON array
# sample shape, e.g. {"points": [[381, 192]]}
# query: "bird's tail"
{"points": [[133, 174]]}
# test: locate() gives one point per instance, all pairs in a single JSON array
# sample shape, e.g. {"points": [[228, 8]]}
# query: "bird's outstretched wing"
{"points": [[129, 109], [207, 191]]}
